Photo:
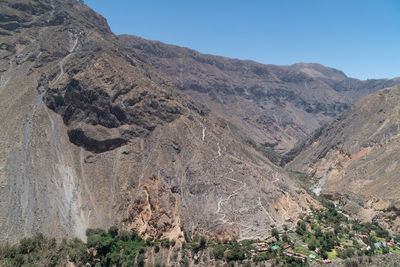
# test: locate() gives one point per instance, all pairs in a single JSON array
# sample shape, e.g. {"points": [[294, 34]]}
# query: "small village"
{"points": [[323, 236]]}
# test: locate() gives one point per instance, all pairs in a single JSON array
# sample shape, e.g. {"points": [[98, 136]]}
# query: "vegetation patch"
{"points": [[272, 155], [322, 235]]}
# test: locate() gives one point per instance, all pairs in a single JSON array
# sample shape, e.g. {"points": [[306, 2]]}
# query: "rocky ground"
{"points": [[356, 159], [274, 105], [100, 130], [92, 136]]}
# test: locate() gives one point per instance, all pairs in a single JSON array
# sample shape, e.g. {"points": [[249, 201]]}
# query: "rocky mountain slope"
{"points": [[274, 105], [92, 136], [356, 159]]}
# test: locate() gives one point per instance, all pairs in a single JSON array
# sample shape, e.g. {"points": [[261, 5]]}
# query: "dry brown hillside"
{"points": [[274, 105], [356, 159], [92, 136]]}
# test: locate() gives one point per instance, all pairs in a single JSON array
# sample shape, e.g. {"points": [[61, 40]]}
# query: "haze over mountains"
{"points": [[99, 129]]}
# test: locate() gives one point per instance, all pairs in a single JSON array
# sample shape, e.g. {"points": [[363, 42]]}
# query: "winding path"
{"points": [[203, 132], [4, 78], [265, 210], [297, 207], [226, 199], [222, 201], [62, 61]]}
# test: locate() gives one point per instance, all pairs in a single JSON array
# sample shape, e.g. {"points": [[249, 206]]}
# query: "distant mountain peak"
{"points": [[317, 70]]}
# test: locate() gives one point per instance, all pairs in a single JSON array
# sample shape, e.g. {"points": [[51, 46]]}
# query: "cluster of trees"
{"points": [[337, 226], [367, 228], [273, 156], [44, 250], [323, 230], [293, 262], [347, 253], [103, 248], [323, 241], [233, 251], [115, 249]]}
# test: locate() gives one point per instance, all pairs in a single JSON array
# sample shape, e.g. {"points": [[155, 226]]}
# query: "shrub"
{"points": [[205, 258], [324, 254], [351, 263], [312, 244], [78, 251], [25, 246], [218, 251], [98, 231], [52, 243], [184, 262], [175, 256], [203, 242], [165, 243], [301, 228], [275, 233], [381, 232], [273, 156], [94, 240], [19, 259], [113, 231], [285, 238], [234, 253], [140, 260], [157, 263], [196, 247]]}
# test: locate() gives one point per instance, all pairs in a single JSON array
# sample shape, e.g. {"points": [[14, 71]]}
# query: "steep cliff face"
{"points": [[356, 159], [92, 136], [274, 105]]}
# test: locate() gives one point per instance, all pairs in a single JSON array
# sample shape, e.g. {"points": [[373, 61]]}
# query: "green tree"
{"points": [[285, 238], [235, 253], [113, 231], [218, 251], [312, 243], [203, 242], [301, 228], [275, 233]]}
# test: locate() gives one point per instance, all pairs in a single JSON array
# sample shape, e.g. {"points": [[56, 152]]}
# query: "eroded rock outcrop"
{"points": [[278, 105], [92, 136], [356, 159]]}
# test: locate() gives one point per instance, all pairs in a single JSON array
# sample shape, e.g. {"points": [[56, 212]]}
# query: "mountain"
{"points": [[276, 106], [356, 159], [93, 136]]}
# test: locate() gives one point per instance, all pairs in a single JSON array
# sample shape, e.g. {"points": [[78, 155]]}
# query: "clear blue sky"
{"points": [[360, 37]]}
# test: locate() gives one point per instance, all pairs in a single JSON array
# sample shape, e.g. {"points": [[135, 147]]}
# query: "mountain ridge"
{"points": [[274, 105], [355, 159], [92, 136]]}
